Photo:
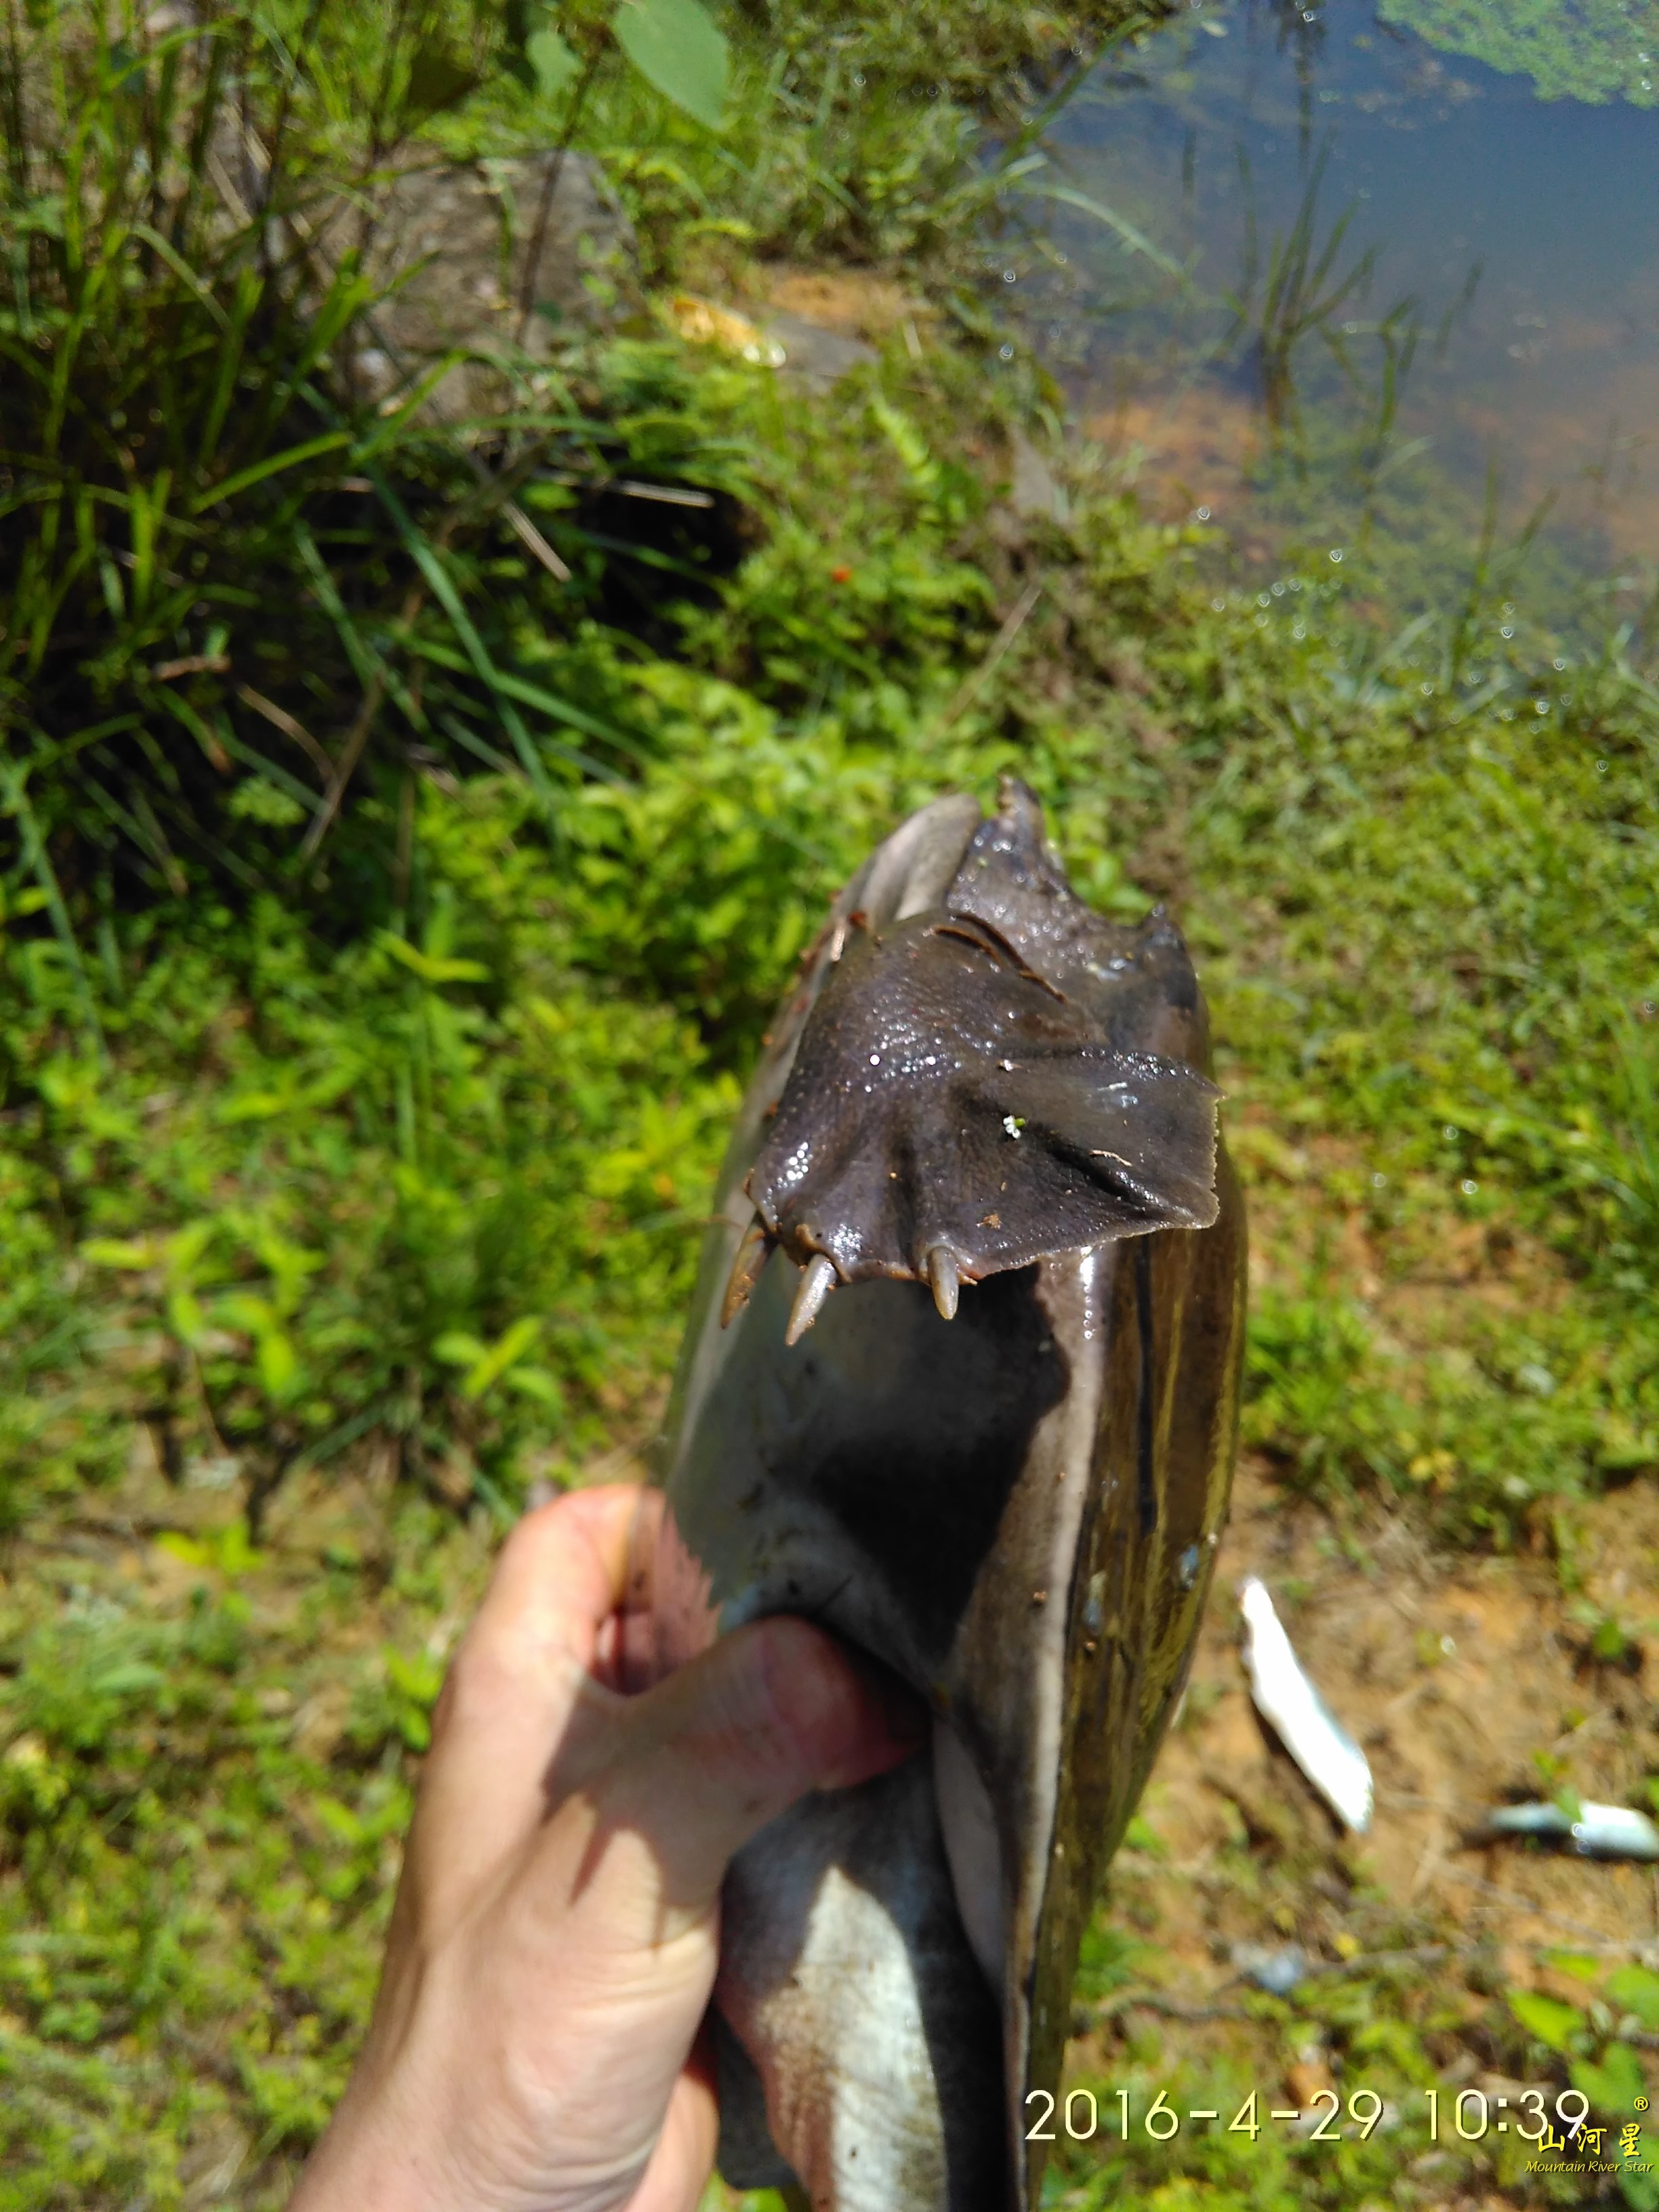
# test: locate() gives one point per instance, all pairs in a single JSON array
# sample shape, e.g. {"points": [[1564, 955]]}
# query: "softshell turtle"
{"points": [[961, 1383]]}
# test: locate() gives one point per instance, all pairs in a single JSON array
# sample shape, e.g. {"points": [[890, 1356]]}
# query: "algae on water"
{"points": [[1588, 50]]}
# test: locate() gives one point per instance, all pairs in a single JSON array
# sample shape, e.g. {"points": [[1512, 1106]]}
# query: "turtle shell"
{"points": [[961, 1383]]}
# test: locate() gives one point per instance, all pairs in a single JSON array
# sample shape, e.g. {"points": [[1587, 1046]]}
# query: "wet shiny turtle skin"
{"points": [[960, 1382]]}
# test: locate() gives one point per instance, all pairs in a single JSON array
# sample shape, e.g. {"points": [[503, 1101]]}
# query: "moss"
{"points": [[1592, 50]]}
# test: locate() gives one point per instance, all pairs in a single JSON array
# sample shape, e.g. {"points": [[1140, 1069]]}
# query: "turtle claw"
{"points": [[942, 1276], [818, 1279], [753, 1253]]}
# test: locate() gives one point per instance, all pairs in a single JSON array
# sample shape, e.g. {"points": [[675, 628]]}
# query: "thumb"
{"points": [[732, 1739]]}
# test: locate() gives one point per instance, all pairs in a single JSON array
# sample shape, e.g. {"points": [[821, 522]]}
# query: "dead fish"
{"points": [[1600, 1832], [1286, 1699], [960, 1382]]}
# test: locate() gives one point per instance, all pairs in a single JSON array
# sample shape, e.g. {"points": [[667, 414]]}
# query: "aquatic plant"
{"points": [[1303, 293], [1590, 50]]}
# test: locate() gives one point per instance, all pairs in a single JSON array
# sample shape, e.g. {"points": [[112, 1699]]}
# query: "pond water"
{"points": [[1301, 266]]}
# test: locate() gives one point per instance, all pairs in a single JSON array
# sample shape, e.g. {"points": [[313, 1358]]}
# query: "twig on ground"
{"points": [[1166, 2007], [525, 531], [192, 664]]}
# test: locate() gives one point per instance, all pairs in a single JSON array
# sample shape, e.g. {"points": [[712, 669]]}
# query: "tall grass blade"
{"points": [[15, 801]]}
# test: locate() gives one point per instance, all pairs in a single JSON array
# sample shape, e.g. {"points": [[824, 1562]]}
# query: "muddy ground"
{"points": [[1469, 1682], [1457, 1674]]}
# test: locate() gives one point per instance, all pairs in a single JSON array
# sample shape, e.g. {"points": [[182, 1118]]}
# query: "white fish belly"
{"points": [[847, 1978]]}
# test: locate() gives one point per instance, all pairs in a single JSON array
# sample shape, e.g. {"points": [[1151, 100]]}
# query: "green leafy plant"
{"points": [[1635, 1989], [183, 443], [675, 45], [1559, 2027], [1594, 51]]}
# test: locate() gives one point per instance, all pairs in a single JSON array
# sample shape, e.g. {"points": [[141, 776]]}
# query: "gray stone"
{"points": [[1035, 494], [462, 239], [818, 357], [451, 248]]}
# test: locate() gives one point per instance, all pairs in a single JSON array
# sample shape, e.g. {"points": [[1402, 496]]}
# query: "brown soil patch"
{"points": [[852, 300], [1195, 452], [1594, 453], [1458, 1675]]}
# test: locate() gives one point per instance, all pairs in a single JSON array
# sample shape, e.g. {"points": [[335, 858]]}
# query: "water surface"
{"points": [[1330, 260]]}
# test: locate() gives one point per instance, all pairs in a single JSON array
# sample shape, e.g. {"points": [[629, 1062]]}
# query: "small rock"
{"points": [[1035, 494], [212, 1471], [819, 357], [777, 337], [1277, 1971]]}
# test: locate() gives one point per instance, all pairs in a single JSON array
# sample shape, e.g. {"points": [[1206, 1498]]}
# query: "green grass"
{"points": [[341, 1201]]}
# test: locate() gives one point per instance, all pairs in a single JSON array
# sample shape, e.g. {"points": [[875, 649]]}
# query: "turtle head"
{"points": [[1000, 1078]]}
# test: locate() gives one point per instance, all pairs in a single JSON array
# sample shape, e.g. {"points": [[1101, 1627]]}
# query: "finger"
{"points": [[522, 1665], [679, 1778], [564, 1571], [683, 2158]]}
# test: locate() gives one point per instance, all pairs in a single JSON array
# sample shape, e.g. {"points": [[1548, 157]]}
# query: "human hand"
{"points": [[557, 1929]]}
